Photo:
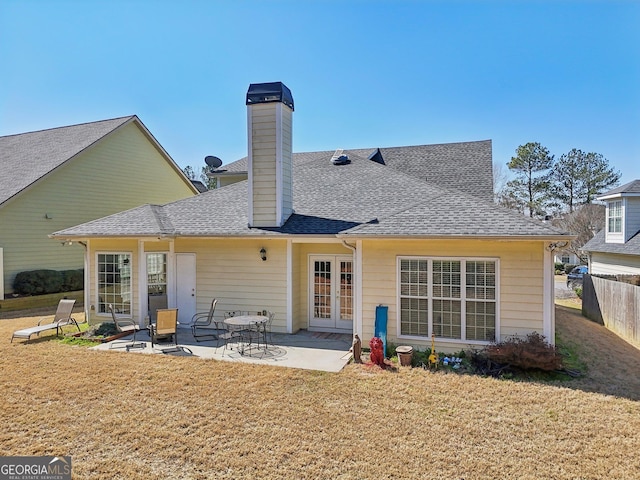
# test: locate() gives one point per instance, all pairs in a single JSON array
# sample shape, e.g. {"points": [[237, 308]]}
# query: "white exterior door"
{"points": [[185, 286], [331, 293]]}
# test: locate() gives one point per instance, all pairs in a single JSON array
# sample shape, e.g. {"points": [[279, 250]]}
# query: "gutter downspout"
{"points": [[357, 327]]}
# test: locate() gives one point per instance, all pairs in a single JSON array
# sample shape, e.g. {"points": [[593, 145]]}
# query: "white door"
{"points": [[186, 286], [331, 293]]}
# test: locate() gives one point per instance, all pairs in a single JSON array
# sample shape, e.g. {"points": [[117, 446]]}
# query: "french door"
{"points": [[331, 292]]}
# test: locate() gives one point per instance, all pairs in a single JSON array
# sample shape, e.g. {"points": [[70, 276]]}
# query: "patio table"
{"points": [[244, 322]]}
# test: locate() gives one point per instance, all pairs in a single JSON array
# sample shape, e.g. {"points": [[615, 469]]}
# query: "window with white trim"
{"points": [[114, 282], [451, 298], [614, 217]]}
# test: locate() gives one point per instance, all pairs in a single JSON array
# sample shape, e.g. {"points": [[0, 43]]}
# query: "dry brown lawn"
{"points": [[132, 416]]}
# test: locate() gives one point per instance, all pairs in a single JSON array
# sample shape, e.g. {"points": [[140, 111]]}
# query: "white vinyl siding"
{"points": [[614, 264]]}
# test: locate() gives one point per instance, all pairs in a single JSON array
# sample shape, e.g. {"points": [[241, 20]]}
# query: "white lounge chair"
{"points": [[61, 318]]}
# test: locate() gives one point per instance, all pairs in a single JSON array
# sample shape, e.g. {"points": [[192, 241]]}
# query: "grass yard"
{"points": [[132, 416]]}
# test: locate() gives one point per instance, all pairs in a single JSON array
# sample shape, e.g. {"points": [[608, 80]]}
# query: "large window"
{"points": [[614, 217], [451, 298], [114, 282]]}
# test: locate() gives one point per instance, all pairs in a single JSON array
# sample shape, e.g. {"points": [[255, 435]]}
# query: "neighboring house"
{"points": [[566, 257], [56, 178], [615, 250], [323, 240]]}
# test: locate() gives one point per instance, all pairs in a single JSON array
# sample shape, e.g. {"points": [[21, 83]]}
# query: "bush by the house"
{"points": [[531, 352], [41, 282], [72, 280]]}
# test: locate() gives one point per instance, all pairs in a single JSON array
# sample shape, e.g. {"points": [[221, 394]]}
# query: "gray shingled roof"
{"points": [[631, 187], [467, 166], [362, 198], [598, 244], [27, 157]]}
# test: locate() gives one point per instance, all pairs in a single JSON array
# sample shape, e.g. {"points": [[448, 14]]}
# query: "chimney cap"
{"points": [[268, 93]]}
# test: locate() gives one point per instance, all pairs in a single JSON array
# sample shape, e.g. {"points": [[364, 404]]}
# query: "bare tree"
{"points": [[585, 221]]}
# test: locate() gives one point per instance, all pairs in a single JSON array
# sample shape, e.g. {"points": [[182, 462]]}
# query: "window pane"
{"points": [[481, 321], [447, 318], [414, 316], [446, 279]]}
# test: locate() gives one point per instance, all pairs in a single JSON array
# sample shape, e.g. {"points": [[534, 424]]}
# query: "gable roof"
{"points": [[628, 189], [25, 158], [463, 166], [598, 244], [362, 198]]}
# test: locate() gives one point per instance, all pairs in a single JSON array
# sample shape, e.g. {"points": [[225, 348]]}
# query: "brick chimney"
{"points": [[269, 124]]}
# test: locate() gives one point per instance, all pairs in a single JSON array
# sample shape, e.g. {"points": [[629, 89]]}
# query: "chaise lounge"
{"points": [[61, 318]]}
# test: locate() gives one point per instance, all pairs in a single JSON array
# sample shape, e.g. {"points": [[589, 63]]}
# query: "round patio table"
{"points": [[244, 322]]}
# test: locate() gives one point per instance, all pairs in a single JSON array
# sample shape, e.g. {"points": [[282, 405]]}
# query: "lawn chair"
{"points": [[61, 318], [203, 320], [125, 325], [166, 326]]}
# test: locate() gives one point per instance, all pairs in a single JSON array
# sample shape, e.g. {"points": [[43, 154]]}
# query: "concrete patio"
{"points": [[327, 352]]}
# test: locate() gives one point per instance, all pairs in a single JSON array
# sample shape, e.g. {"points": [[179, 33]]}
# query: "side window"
{"points": [[114, 282]]}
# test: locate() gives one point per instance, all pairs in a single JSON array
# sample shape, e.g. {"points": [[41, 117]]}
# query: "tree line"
{"points": [[544, 186]]}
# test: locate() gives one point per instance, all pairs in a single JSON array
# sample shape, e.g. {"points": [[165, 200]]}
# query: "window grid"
{"points": [[114, 282], [614, 220], [463, 306]]}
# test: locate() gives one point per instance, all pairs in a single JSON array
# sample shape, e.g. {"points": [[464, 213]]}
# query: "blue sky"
{"points": [[363, 73]]}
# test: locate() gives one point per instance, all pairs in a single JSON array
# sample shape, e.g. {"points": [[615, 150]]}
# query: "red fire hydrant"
{"points": [[377, 355]]}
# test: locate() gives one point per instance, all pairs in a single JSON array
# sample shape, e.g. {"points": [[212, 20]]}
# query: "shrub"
{"points": [[531, 352], [41, 282], [38, 282], [72, 280], [578, 291], [558, 267]]}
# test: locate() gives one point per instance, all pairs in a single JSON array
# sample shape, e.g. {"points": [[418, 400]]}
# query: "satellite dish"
{"points": [[213, 162]]}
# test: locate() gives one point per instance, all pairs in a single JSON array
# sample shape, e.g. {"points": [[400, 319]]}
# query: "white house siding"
{"points": [[520, 283], [614, 264], [122, 171]]}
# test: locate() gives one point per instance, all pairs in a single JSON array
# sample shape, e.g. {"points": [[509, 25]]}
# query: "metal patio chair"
{"points": [[125, 325]]}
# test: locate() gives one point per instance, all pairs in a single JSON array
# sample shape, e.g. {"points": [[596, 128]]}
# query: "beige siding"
{"points": [[299, 283], [521, 281], [263, 163], [612, 264], [223, 181], [112, 246], [287, 163], [122, 171], [301, 289], [232, 271]]}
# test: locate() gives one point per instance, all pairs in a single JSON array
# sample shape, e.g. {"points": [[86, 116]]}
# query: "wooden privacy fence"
{"points": [[616, 305]]}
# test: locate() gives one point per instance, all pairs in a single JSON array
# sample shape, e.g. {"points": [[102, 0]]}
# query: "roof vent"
{"points": [[339, 158], [376, 156], [268, 93]]}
